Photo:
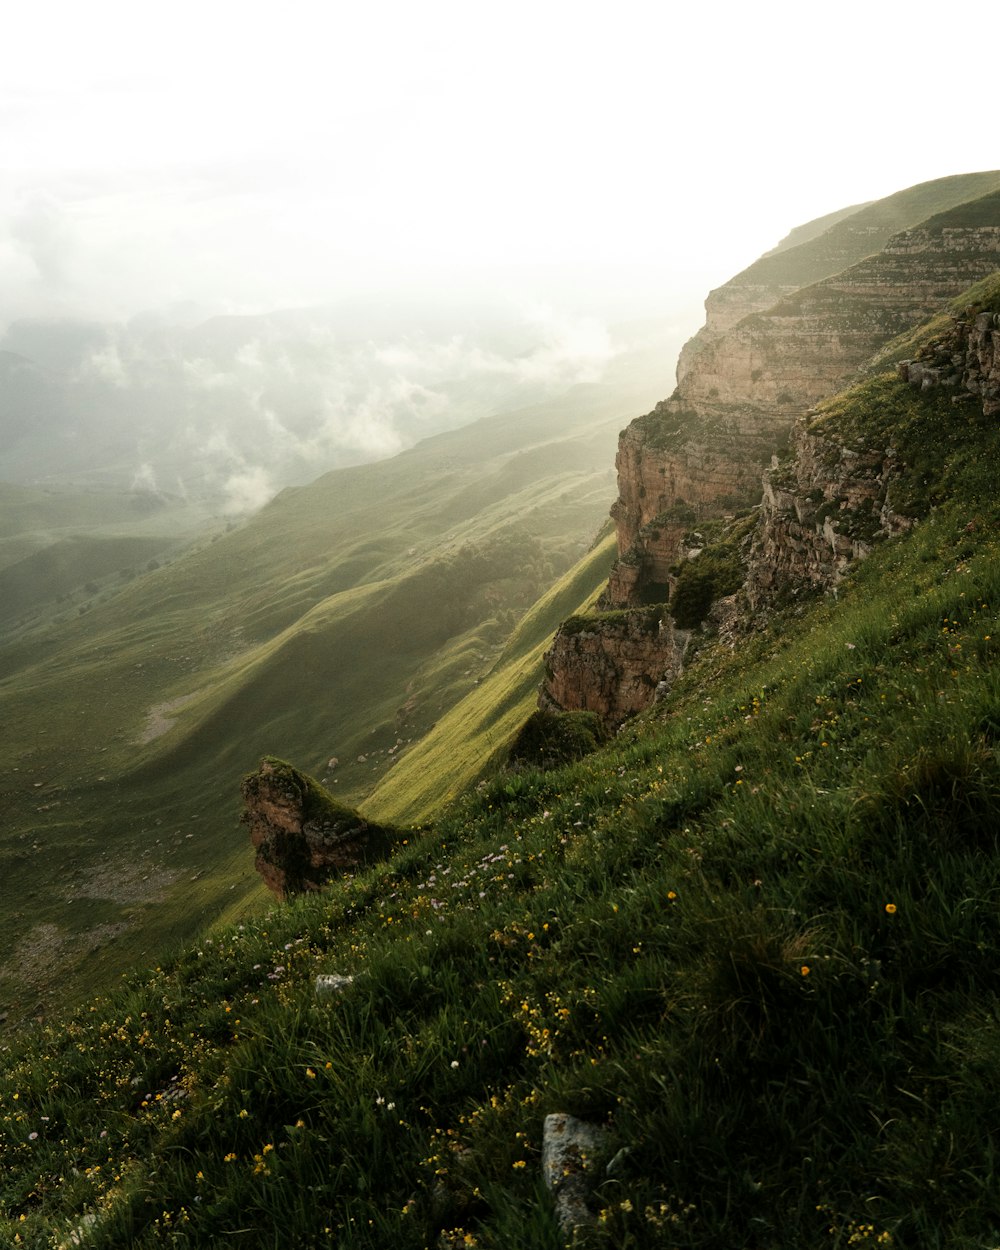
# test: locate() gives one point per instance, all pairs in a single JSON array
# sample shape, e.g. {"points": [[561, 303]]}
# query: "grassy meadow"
{"points": [[341, 623], [754, 937]]}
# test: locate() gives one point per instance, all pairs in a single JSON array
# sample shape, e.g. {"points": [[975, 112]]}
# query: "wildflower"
{"points": [[891, 908], [520, 1163], [229, 1158], [805, 970], [454, 1063], [671, 894]]}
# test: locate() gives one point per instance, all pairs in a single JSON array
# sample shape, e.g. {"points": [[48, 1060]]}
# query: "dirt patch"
{"points": [[40, 955], [124, 883], [159, 718]]}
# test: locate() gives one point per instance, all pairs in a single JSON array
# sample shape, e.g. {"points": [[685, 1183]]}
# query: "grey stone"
{"points": [[572, 1152], [330, 983]]}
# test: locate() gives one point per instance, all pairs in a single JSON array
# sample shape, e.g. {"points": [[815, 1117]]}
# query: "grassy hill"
{"points": [[62, 548], [860, 234], [340, 624], [754, 939]]}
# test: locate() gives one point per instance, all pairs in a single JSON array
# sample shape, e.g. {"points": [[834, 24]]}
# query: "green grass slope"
{"points": [[61, 548], [866, 231], [471, 735], [754, 938], [340, 623]]}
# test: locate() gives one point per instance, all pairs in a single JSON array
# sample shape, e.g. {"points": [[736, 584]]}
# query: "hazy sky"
{"points": [[250, 155]]}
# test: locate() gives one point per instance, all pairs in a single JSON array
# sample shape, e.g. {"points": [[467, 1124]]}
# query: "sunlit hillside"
{"points": [[751, 944], [336, 627]]}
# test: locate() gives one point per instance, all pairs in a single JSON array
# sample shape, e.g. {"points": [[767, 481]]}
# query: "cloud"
{"points": [[42, 230], [247, 491], [237, 407], [144, 479]]}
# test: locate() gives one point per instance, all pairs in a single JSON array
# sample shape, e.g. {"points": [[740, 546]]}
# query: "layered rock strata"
{"points": [[828, 506], [825, 247], [705, 447]]}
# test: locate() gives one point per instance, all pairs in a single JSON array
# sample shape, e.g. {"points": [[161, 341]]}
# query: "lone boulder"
{"points": [[301, 834]]}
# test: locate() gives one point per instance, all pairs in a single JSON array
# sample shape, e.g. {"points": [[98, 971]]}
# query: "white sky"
{"points": [[615, 155]]}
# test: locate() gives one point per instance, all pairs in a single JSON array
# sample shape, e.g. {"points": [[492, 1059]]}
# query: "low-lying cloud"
{"points": [[235, 408]]}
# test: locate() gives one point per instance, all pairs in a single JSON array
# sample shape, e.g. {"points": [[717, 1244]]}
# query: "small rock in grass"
{"points": [[571, 1152], [331, 983]]}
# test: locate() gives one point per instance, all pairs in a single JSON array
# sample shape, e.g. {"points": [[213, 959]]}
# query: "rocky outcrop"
{"points": [[967, 359], [302, 836], [819, 513], [612, 664], [705, 447]]}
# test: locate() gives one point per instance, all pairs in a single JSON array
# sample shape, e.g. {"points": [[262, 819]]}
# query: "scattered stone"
{"points": [[572, 1152], [331, 983]]}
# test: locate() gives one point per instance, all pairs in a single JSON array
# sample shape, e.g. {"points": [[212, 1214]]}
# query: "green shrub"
{"points": [[701, 581], [547, 739]]}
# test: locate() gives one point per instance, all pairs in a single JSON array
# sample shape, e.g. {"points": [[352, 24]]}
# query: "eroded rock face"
{"points": [[967, 359], [741, 391], [303, 837], [612, 664], [818, 514]]}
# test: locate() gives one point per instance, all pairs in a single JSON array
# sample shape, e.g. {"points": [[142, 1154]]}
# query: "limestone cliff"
{"points": [[745, 394], [705, 447], [844, 489], [825, 247]]}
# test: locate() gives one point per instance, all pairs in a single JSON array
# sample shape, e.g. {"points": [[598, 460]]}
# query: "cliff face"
{"points": [[612, 664], [674, 470], [707, 445], [745, 388]]}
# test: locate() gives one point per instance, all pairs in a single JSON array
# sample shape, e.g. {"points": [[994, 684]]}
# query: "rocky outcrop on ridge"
{"points": [[820, 512], [967, 359], [706, 447], [612, 663], [302, 836], [743, 400]]}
